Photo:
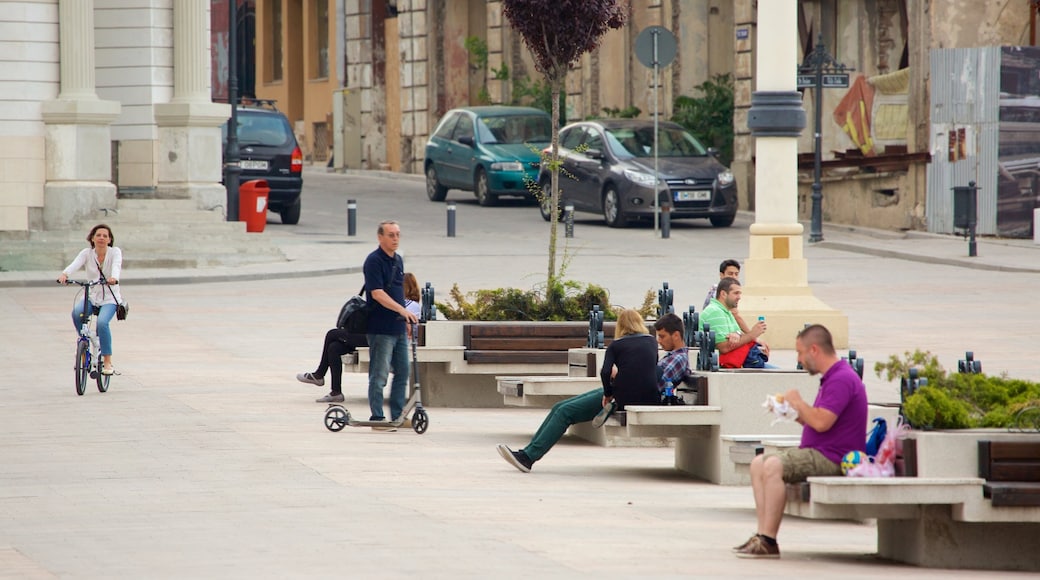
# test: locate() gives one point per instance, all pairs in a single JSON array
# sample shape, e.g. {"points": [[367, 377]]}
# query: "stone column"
{"points": [[78, 138], [190, 149], [776, 272]]}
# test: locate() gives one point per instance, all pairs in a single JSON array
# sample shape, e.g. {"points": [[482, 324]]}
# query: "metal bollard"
{"points": [[568, 220], [428, 308], [666, 221], [451, 219], [351, 217]]}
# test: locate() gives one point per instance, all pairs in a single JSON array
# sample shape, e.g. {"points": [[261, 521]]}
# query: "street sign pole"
{"points": [[657, 196], [655, 48], [819, 70]]}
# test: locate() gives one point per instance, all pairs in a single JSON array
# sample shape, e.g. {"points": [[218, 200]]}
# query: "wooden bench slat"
{"points": [[534, 329], [512, 357], [1015, 471], [533, 343], [1014, 450], [1009, 460], [1013, 494]]}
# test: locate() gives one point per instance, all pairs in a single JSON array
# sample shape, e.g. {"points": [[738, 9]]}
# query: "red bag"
{"points": [[734, 359]]}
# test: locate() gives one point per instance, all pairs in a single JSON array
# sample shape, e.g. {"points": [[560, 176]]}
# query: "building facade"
{"points": [[100, 95]]}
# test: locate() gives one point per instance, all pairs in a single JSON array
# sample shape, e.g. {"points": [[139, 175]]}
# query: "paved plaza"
{"points": [[206, 459]]}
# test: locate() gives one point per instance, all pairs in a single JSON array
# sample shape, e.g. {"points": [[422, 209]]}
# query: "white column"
{"points": [[776, 271], [190, 150], [76, 31], [79, 162], [191, 51], [776, 200]]}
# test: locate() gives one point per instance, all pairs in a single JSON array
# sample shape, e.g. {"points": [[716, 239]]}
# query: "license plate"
{"points": [[692, 195], [253, 164]]}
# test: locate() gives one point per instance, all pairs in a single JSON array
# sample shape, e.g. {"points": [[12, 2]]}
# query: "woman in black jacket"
{"points": [[629, 372], [629, 377]]}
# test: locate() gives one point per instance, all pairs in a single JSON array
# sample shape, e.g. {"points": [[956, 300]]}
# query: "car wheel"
{"points": [[545, 201], [612, 214], [482, 190], [723, 221], [434, 190], [291, 214]]}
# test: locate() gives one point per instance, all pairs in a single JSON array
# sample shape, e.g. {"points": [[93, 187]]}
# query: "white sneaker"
{"points": [[310, 378]]}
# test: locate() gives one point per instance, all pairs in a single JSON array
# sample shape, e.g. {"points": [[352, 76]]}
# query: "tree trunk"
{"points": [[554, 183]]}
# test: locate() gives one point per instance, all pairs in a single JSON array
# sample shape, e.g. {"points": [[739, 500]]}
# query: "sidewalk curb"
{"points": [[845, 247], [201, 278]]}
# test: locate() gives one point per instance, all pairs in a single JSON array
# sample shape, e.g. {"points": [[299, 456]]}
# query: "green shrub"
{"points": [[564, 300], [958, 400]]}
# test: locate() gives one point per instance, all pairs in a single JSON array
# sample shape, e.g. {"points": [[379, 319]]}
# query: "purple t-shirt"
{"points": [[842, 393]]}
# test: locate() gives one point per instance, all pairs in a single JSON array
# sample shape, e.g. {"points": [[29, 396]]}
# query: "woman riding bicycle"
{"points": [[101, 259]]}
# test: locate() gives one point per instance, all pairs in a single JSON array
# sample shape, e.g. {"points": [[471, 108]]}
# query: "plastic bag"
{"points": [[884, 463]]}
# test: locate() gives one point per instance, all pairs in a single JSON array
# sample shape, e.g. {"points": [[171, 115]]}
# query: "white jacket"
{"points": [[112, 267]]}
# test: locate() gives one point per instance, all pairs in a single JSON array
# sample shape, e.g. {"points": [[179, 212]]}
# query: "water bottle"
{"points": [[669, 393]]}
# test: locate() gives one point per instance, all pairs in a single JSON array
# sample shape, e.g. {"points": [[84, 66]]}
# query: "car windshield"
{"points": [[512, 129], [266, 130], [628, 142]]}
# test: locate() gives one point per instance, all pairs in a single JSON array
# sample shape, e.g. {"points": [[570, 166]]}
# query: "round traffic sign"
{"points": [[659, 37]]}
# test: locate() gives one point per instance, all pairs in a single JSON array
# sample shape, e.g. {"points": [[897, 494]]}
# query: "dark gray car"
{"points": [[608, 168]]}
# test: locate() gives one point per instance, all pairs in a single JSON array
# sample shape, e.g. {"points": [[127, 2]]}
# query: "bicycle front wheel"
{"points": [[82, 367], [102, 379]]}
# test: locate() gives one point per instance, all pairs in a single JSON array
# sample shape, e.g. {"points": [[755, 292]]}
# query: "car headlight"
{"points": [[725, 178], [507, 166], [640, 177]]}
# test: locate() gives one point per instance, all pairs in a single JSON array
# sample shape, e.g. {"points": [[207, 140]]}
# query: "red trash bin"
{"points": [[252, 204]]}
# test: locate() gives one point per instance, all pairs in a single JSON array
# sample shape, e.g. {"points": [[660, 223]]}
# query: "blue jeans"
{"points": [[387, 352], [577, 409], [103, 320]]}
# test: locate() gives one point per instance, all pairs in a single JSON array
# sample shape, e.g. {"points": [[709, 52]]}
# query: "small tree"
{"points": [[710, 116], [558, 33]]}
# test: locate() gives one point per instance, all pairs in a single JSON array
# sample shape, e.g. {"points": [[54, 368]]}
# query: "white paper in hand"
{"points": [[780, 409]]}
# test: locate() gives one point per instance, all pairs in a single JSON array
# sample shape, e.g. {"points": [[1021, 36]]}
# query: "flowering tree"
{"points": [[558, 33]]}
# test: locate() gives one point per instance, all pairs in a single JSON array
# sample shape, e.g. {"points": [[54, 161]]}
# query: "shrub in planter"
{"points": [[563, 300], [956, 400]]}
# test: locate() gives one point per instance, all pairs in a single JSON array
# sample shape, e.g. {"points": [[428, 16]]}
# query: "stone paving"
{"points": [[206, 459]]}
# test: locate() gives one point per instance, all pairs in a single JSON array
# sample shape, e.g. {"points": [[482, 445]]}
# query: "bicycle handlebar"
{"points": [[84, 283]]}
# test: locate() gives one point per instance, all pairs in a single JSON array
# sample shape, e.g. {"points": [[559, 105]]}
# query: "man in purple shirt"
{"points": [[833, 425]]}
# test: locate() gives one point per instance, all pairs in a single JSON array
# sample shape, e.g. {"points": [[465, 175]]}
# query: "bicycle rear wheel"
{"points": [[82, 367]]}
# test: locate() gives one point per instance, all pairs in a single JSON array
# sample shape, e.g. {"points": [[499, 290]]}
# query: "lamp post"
{"points": [[232, 170], [819, 70]]}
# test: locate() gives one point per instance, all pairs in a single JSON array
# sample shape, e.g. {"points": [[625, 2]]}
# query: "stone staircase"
{"points": [[153, 233]]}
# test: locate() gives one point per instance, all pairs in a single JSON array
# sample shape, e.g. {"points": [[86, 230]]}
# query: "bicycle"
{"points": [[88, 347]]}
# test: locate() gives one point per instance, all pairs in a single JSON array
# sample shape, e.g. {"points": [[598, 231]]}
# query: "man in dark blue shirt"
{"points": [[387, 334]]}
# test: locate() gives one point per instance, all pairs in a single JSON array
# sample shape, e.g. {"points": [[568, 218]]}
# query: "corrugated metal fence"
{"points": [[965, 97]]}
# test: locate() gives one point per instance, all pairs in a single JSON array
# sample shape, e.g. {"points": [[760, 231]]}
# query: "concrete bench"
{"points": [[705, 439], [453, 374], [939, 516], [733, 406]]}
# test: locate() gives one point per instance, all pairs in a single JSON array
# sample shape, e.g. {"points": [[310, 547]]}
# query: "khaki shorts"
{"points": [[799, 464]]}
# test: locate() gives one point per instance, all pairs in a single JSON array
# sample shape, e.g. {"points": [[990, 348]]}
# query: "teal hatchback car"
{"points": [[492, 151]]}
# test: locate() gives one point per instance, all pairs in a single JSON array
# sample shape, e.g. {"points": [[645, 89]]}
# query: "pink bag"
{"points": [[884, 463]]}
